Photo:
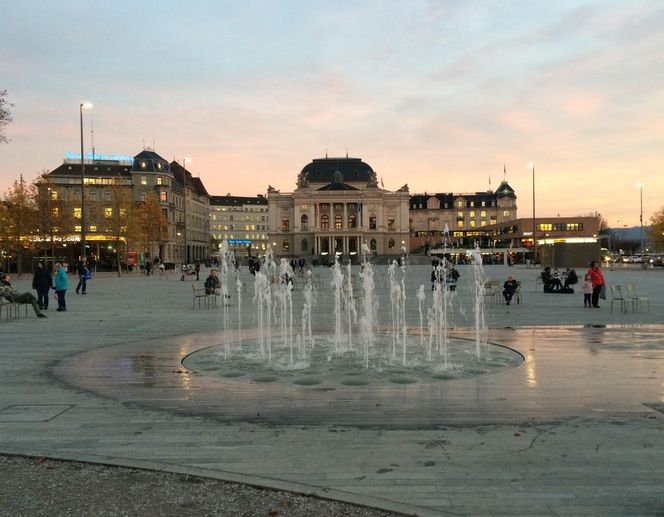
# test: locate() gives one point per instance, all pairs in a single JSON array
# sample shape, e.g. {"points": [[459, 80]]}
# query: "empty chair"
{"points": [[617, 296], [636, 300]]}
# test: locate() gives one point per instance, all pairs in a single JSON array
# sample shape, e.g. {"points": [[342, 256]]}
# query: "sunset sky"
{"points": [[436, 94]]}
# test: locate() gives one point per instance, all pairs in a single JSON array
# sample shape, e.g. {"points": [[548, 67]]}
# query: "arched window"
{"points": [[390, 244], [304, 222], [285, 225], [305, 245], [372, 222], [352, 221], [324, 221], [372, 244], [338, 222], [284, 245]]}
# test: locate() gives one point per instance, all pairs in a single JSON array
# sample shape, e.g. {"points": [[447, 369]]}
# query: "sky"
{"points": [[441, 95]]}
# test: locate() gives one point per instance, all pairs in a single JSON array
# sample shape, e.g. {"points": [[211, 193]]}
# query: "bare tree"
{"points": [[22, 216], [149, 225], [657, 229], [5, 115], [118, 218]]}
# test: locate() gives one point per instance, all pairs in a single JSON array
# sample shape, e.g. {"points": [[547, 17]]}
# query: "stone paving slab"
{"points": [[594, 448]]}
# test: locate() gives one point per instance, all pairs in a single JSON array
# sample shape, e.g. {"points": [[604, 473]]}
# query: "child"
{"points": [[587, 288]]}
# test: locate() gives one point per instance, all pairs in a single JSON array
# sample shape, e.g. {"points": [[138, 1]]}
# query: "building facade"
{"points": [[111, 188], [463, 216], [242, 221], [337, 207]]}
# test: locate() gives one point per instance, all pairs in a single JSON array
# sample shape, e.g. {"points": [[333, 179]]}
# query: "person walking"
{"points": [[597, 279], [197, 268], [42, 282], [61, 285], [82, 276]]}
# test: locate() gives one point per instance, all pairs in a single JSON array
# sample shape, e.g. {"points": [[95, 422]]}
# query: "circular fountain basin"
{"points": [[330, 365]]}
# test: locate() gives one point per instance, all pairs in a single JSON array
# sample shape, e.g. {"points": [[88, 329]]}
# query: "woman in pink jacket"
{"points": [[597, 279]]}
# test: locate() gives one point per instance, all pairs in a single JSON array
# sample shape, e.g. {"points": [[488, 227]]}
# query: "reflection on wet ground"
{"points": [[567, 371]]}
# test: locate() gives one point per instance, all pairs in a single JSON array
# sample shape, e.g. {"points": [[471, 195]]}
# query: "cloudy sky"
{"points": [[436, 94]]}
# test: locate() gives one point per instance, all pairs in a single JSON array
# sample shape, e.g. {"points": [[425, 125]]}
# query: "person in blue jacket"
{"points": [[61, 285]]}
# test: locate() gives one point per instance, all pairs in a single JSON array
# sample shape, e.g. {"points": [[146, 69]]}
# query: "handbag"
{"points": [[88, 276], [602, 292]]}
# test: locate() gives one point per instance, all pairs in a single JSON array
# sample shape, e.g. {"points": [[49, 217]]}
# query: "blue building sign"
{"points": [[239, 241], [98, 156]]}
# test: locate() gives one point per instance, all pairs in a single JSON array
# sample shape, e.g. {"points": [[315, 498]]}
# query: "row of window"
{"points": [[245, 236], [304, 245], [236, 217], [238, 209], [338, 222], [458, 204], [560, 227], [226, 227]]}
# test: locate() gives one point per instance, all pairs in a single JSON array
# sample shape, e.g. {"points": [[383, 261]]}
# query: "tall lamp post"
{"points": [[83, 105], [643, 243], [531, 165], [184, 180]]}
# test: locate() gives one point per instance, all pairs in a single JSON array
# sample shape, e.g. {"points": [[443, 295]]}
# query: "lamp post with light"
{"points": [[184, 230], [643, 244], [531, 165], [83, 105]]}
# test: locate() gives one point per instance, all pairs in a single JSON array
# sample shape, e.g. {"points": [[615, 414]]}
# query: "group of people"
{"points": [[556, 281], [43, 282]]}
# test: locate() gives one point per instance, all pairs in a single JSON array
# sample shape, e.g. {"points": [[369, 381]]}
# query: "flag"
{"points": [[381, 182], [504, 172]]}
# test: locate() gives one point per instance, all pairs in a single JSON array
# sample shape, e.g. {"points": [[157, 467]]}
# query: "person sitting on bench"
{"points": [[8, 292], [549, 281]]}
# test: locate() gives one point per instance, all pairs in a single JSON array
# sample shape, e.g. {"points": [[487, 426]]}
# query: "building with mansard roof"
{"points": [[114, 185], [336, 207], [463, 215]]}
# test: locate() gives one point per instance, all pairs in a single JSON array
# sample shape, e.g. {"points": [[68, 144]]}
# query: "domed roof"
{"points": [[337, 170]]}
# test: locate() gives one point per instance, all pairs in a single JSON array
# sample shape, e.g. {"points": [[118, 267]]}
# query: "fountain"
{"points": [[364, 346]]}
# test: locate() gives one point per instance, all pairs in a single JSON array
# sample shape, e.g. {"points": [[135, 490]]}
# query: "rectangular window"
{"points": [[545, 227], [144, 180], [107, 195], [460, 204], [472, 213], [77, 213], [483, 213], [483, 203], [460, 223], [506, 213], [93, 228], [472, 204], [483, 223], [93, 195], [163, 196], [55, 212], [123, 212], [459, 214], [390, 223], [160, 180], [77, 228], [472, 224], [108, 212], [54, 194]]}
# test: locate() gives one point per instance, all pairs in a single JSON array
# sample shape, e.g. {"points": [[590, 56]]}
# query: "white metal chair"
{"points": [[617, 296], [636, 300]]}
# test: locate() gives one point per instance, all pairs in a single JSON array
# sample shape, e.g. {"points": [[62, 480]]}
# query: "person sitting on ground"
{"points": [[571, 278], [9, 293], [509, 288], [549, 281], [212, 283]]}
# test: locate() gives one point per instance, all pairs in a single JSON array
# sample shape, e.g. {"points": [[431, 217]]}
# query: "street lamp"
{"points": [[643, 245], [83, 105], [531, 165], [184, 179]]}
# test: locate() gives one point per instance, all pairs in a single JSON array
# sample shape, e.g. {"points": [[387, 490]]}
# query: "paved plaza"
{"points": [[576, 429]]}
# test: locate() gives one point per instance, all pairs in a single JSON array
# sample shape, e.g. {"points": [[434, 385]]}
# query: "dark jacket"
{"points": [[211, 284], [42, 279]]}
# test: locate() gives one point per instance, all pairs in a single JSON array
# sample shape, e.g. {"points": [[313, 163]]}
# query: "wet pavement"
{"points": [[577, 428]]}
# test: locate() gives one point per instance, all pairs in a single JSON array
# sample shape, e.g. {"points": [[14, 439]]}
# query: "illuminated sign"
{"points": [[96, 156], [238, 241]]}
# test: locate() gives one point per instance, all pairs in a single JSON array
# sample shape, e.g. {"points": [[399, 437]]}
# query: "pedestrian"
{"points": [[197, 268], [82, 271], [61, 285], [587, 288], [597, 279], [42, 282], [8, 292]]}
